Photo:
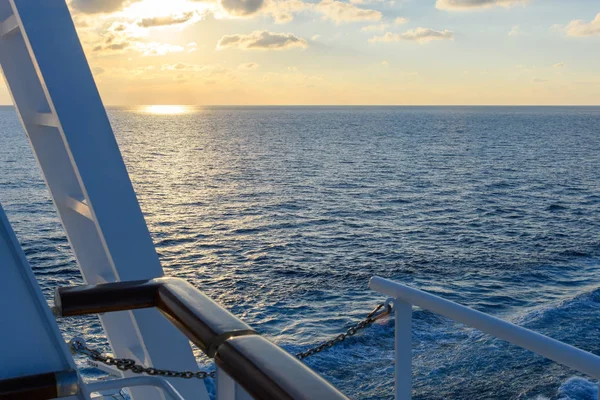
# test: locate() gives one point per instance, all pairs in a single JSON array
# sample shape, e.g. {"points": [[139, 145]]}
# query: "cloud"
{"points": [[207, 73], [166, 20], [250, 65], [345, 12], [368, 1], [559, 65], [515, 31], [374, 28], [282, 17], [539, 80], [419, 35], [122, 37], [241, 8], [146, 49], [579, 27], [283, 11], [117, 27], [401, 20], [181, 67], [161, 49], [117, 37], [207, 70], [262, 40], [81, 21], [452, 5], [144, 72], [158, 49], [113, 42], [100, 6]]}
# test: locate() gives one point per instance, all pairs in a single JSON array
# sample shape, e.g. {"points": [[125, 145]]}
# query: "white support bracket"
{"points": [[80, 206], [109, 369], [46, 119], [9, 26]]}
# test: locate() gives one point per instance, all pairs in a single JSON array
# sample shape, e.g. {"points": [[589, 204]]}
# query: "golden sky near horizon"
{"points": [[341, 51]]}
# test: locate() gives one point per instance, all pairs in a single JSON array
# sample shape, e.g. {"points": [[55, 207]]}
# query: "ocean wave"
{"points": [[287, 212], [575, 388]]}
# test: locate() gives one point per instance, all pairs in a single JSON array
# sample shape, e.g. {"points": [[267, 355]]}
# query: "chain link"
{"points": [[78, 345], [371, 317]]}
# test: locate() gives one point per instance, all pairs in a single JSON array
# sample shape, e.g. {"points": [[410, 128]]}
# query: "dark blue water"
{"points": [[283, 214]]}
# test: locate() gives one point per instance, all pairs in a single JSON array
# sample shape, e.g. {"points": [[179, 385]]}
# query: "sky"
{"points": [[397, 52]]}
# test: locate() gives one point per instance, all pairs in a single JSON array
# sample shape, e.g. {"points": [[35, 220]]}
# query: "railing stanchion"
{"points": [[403, 349], [552, 349], [227, 389], [224, 386]]}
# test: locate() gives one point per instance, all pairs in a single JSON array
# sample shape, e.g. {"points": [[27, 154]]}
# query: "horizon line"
{"points": [[345, 105]]}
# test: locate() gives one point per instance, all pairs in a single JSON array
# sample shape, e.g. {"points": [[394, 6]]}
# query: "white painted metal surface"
{"points": [[66, 124], [37, 347], [228, 389], [555, 350], [403, 349], [136, 381]]}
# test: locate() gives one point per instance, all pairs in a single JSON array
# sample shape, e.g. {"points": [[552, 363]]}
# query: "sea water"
{"points": [[282, 214]]}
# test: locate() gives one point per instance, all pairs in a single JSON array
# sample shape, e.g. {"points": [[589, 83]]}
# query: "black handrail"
{"points": [[50, 385], [263, 369]]}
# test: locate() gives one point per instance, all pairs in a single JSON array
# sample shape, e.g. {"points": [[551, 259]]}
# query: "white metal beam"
{"points": [[30, 342], [59, 106]]}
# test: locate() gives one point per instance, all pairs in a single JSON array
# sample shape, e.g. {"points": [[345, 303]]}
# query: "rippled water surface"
{"points": [[284, 213]]}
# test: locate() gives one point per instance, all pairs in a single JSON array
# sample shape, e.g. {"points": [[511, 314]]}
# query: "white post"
{"points": [[224, 386], [228, 389], [403, 350]]}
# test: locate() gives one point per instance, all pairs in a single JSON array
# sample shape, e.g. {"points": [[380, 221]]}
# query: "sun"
{"points": [[165, 109]]}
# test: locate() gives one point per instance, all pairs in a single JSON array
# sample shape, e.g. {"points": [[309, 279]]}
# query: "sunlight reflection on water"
{"points": [[164, 109]]}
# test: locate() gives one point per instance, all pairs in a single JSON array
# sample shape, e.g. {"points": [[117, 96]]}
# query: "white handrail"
{"points": [[552, 349]]}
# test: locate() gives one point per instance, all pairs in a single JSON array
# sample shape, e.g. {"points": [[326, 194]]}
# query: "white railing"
{"points": [[405, 297]]}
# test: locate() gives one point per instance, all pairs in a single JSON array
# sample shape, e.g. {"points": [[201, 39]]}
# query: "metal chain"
{"points": [[78, 345], [371, 317]]}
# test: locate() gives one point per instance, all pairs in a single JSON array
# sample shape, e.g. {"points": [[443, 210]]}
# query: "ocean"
{"points": [[282, 214]]}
